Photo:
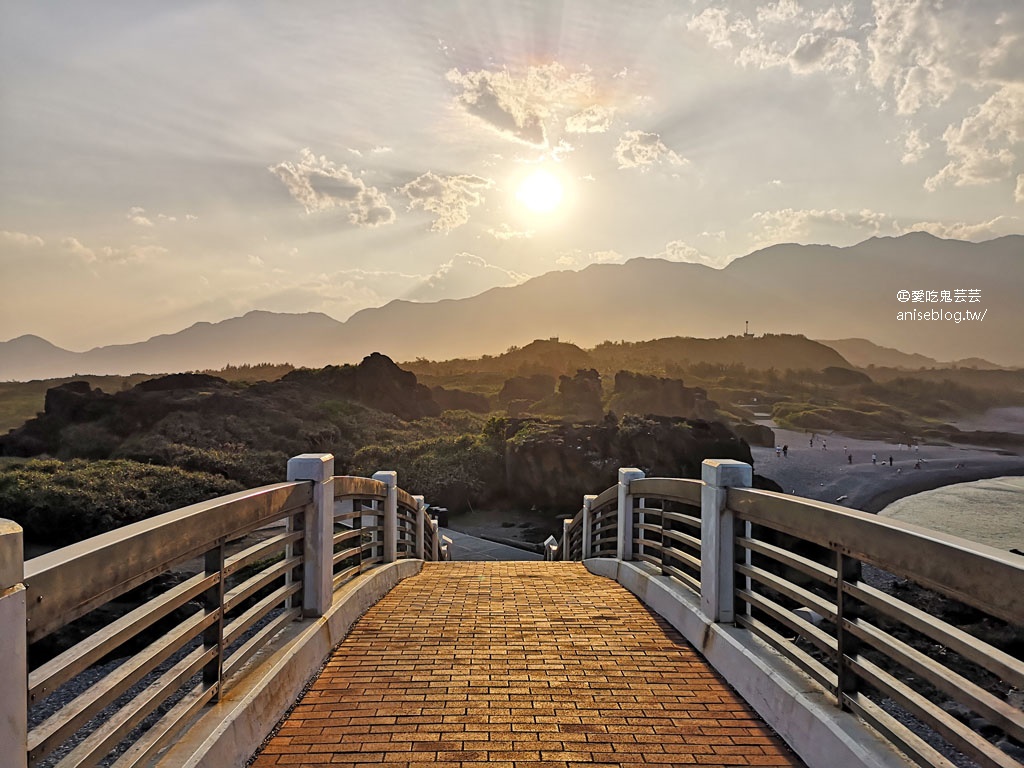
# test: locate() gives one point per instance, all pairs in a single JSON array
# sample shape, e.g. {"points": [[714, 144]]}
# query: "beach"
{"points": [[823, 472]]}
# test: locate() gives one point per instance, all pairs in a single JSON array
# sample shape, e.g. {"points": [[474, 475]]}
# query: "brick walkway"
{"points": [[532, 664]]}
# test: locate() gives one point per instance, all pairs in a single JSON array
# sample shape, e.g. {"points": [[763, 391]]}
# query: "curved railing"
{"points": [[795, 572], [183, 600]]}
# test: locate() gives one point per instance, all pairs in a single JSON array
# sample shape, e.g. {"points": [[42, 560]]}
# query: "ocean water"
{"points": [[987, 511]]}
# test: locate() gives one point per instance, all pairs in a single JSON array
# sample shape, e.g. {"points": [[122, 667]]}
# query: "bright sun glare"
{"points": [[540, 192]]}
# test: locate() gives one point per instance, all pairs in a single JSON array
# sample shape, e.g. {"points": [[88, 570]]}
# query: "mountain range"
{"points": [[819, 291]]}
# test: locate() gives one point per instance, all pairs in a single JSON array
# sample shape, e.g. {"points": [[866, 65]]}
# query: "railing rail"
{"points": [[790, 570], [181, 602]]}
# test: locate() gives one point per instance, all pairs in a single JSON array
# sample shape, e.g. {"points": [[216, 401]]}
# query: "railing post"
{"points": [[437, 540], [717, 539], [390, 479], [566, 555], [587, 544], [213, 636], [14, 670], [624, 550], [318, 541], [421, 524]]}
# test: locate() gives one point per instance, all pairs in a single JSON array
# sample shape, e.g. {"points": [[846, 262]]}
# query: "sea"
{"points": [[986, 511]]}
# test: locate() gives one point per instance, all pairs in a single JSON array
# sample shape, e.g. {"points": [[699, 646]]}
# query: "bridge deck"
{"points": [[539, 664]]}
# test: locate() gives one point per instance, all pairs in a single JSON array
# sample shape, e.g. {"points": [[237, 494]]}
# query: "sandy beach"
{"points": [[824, 472]]}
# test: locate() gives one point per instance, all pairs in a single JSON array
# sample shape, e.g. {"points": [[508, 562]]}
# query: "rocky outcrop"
{"points": [[204, 412], [756, 434], [376, 382], [641, 394], [553, 465], [529, 389]]}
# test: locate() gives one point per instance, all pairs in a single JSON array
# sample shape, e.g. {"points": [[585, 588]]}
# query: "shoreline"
{"points": [[830, 476], [920, 484]]}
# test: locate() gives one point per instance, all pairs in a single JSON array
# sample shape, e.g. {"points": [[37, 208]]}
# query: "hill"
{"points": [[816, 290], [863, 354]]}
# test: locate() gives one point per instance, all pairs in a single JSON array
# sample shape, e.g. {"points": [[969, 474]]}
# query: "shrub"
{"points": [[59, 502]]}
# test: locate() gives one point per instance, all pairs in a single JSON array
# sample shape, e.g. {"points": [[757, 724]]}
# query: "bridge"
{"points": [[677, 622]]}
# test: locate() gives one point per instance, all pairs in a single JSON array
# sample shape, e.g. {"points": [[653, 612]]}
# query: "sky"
{"points": [[168, 163]]}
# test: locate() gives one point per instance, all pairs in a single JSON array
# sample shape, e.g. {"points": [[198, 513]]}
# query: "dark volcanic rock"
{"points": [[181, 381], [554, 465], [376, 382], [756, 434]]}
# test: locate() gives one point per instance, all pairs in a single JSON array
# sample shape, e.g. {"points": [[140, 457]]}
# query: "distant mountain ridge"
{"points": [[863, 353], [813, 290]]}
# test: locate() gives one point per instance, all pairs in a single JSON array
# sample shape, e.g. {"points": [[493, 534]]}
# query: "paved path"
{"points": [[466, 547], [518, 664]]}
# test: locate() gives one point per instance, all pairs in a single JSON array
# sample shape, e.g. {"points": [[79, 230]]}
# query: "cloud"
{"points": [[790, 225], [783, 34], [450, 197], [677, 250], [505, 232], [522, 105], [824, 51], [981, 149], [721, 29], [909, 54], [960, 230], [576, 258], [464, 275], [593, 119], [137, 215], [637, 149], [133, 254], [320, 185], [1018, 194], [22, 239], [914, 146]]}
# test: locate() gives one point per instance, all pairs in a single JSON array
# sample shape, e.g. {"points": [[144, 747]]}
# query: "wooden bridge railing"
{"points": [[792, 571], [180, 601]]}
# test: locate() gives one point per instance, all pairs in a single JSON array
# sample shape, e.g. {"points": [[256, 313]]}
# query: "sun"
{"points": [[540, 192]]}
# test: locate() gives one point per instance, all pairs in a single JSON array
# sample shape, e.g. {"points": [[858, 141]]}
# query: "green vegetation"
{"points": [[62, 502]]}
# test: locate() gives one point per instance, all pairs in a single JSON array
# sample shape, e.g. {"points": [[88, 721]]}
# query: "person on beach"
{"points": [[824, 445], [849, 458], [785, 451], [874, 458], [890, 460]]}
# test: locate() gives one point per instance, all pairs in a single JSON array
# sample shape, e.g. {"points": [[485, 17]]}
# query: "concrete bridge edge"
{"points": [[805, 717], [227, 733]]}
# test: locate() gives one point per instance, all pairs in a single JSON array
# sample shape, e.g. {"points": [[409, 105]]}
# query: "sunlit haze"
{"points": [[168, 163]]}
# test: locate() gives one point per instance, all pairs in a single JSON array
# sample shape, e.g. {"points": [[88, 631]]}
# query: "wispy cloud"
{"points": [[678, 250], [106, 254], [638, 149], [320, 185], [505, 232], [138, 216], [22, 239], [450, 198], [465, 275]]}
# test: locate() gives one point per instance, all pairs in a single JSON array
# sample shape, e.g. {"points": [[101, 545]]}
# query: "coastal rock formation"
{"points": [[552, 465], [376, 382]]}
